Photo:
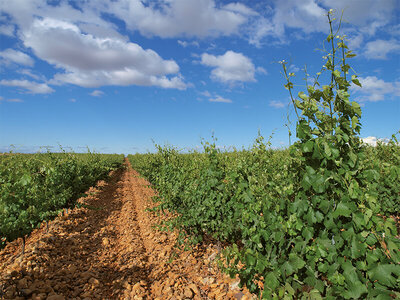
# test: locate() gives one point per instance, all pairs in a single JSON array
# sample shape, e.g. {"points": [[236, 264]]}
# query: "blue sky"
{"points": [[116, 75]]}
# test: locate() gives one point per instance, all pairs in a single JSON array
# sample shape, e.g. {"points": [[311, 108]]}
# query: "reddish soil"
{"points": [[111, 250]]}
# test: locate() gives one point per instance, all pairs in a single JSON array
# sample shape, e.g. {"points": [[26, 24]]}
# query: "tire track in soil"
{"points": [[112, 251]]}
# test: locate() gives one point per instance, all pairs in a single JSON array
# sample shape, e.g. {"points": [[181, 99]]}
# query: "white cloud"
{"points": [[374, 89], [300, 15], [367, 15], [261, 70], [177, 18], [13, 56], [90, 61], [185, 44], [373, 141], [379, 49], [259, 29], [220, 99], [97, 93], [354, 42], [206, 93], [23, 13], [240, 8], [230, 67], [277, 104], [7, 30], [15, 100], [73, 100], [30, 86], [29, 73]]}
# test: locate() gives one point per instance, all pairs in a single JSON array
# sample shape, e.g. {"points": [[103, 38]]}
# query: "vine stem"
{"points": [[333, 69], [290, 89]]}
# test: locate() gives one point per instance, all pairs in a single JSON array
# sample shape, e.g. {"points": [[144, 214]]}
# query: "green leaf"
{"points": [[250, 258], [350, 55], [355, 80], [308, 233], [327, 150], [308, 146], [356, 108], [344, 209], [315, 295], [357, 248], [303, 96], [385, 274], [336, 73], [25, 179], [271, 281], [354, 122], [318, 183], [390, 227], [296, 261], [356, 290]]}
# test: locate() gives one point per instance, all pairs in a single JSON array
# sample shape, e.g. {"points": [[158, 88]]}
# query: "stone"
{"points": [[86, 295], [188, 293], [127, 286], [194, 288], [22, 283], [239, 296], [234, 285], [105, 242], [26, 292], [72, 269], [94, 281], [41, 296]]}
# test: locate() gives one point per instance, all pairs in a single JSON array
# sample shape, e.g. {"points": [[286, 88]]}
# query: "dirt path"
{"points": [[110, 250]]}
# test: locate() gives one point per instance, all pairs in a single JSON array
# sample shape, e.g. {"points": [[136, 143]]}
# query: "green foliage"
{"points": [[310, 222], [36, 187]]}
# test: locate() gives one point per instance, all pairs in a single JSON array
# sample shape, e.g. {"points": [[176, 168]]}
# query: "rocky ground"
{"points": [[111, 250]]}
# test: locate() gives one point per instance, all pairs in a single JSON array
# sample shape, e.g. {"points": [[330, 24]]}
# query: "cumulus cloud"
{"points": [[375, 89], [13, 56], [30, 86], [230, 67], [91, 61], [379, 49], [220, 99], [373, 141], [97, 93], [177, 18]]}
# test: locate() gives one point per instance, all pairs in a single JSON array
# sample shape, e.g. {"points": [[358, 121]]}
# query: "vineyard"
{"points": [[319, 220], [37, 187], [250, 199]]}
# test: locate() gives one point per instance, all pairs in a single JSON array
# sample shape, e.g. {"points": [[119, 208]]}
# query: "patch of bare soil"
{"points": [[111, 250]]}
